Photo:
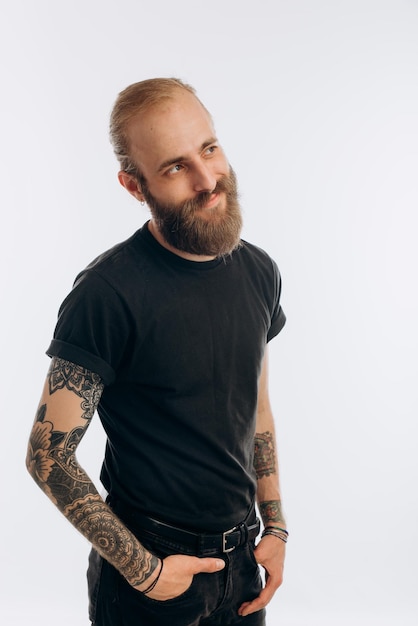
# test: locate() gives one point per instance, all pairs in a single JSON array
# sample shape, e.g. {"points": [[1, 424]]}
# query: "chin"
{"points": [[213, 214]]}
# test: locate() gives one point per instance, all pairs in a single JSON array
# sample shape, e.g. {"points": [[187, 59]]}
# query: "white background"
{"points": [[316, 105]]}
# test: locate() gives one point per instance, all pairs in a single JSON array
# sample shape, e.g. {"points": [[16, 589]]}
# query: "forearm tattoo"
{"points": [[264, 454], [53, 465], [271, 511], [112, 539]]}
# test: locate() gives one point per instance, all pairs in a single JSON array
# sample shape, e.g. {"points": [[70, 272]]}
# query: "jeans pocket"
{"points": [[250, 551], [187, 608], [174, 600]]}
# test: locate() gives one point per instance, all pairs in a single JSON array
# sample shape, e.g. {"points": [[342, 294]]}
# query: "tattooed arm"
{"points": [[270, 551], [69, 399]]}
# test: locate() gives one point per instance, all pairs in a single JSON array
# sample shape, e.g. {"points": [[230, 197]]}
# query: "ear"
{"points": [[131, 184]]}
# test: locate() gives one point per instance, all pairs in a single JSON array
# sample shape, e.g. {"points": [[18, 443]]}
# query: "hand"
{"points": [[269, 553], [177, 575]]}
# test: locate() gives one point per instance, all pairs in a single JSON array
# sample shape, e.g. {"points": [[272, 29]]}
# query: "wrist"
{"points": [[148, 578], [276, 526], [275, 531], [150, 586]]}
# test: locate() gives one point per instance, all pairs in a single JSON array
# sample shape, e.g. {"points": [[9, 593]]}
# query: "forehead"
{"points": [[176, 126]]}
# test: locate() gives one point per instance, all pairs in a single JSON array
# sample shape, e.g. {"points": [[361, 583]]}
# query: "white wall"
{"points": [[316, 105]]}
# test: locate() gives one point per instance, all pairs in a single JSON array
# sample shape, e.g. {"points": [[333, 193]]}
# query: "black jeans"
{"points": [[211, 600]]}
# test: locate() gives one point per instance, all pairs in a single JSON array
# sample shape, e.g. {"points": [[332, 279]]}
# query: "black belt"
{"points": [[200, 543]]}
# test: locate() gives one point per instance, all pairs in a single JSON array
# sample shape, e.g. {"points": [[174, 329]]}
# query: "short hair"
{"points": [[137, 98]]}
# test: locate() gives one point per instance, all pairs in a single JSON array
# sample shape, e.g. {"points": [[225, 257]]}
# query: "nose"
{"points": [[203, 178]]}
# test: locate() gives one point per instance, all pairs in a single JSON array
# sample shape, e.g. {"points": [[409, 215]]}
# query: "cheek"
{"points": [[170, 191]]}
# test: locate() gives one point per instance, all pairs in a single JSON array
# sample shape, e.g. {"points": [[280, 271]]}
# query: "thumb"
{"points": [[208, 565]]}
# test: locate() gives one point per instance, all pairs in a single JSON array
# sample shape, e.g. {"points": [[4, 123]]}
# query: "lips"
{"points": [[213, 200], [212, 203]]}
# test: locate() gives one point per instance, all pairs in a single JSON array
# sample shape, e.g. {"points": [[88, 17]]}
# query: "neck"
{"points": [[153, 228]]}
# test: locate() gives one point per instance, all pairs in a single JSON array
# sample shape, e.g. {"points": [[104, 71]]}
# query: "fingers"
{"points": [[257, 604], [191, 565], [177, 574], [262, 600], [207, 565]]}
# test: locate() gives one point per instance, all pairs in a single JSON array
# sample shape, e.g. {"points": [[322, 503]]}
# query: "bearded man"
{"points": [[165, 335]]}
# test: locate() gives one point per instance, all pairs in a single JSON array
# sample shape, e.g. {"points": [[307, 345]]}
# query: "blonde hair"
{"points": [[137, 98]]}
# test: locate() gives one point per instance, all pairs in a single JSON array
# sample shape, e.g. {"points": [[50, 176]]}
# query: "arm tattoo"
{"points": [[85, 384], [264, 454], [271, 511], [112, 539], [53, 464]]}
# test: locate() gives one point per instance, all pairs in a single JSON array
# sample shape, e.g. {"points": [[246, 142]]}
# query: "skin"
{"points": [[270, 551], [175, 147]]}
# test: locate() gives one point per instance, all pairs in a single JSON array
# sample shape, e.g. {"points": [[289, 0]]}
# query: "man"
{"points": [[166, 336]]}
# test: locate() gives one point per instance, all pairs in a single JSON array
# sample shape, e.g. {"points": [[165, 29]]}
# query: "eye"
{"points": [[175, 169], [210, 150]]}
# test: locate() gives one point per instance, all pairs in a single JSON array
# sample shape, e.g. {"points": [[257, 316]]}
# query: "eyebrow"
{"points": [[178, 159]]}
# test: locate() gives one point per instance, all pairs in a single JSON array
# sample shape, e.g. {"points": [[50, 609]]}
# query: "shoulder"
{"points": [[253, 255], [118, 266], [116, 256]]}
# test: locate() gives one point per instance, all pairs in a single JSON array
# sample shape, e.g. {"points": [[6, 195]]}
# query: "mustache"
{"points": [[225, 184]]}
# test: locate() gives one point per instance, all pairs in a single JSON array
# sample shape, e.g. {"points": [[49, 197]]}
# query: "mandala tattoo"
{"points": [[271, 511], [111, 538], [264, 454], [87, 385]]}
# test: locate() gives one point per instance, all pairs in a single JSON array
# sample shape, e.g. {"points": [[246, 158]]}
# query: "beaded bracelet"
{"points": [[155, 581]]}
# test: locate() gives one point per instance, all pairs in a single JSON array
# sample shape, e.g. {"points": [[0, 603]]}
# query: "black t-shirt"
{"points": [[179, 346]]}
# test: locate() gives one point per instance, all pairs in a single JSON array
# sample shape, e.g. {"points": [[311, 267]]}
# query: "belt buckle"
{"points": [[224, 540]]}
